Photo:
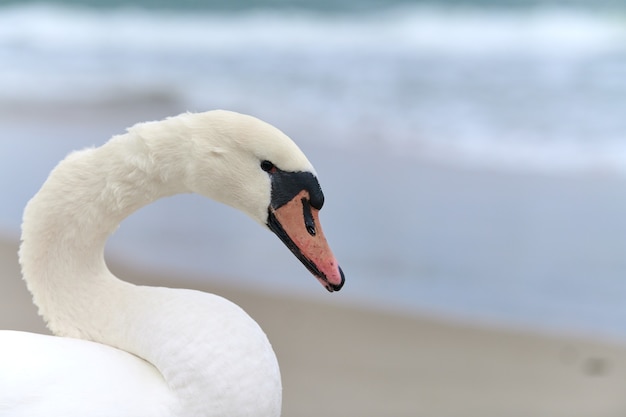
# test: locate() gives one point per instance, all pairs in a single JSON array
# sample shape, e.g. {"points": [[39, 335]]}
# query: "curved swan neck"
{"points": [[66, 224]]}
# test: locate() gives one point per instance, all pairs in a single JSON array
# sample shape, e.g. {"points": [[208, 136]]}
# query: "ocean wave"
{"points": [[420, 29], [538, 89], [44, 48]]}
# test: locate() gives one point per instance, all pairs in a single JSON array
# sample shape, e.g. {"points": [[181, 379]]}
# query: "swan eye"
{"points": [[267, 166]]}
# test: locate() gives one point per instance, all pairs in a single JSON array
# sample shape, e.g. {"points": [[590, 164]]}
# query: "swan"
{"points": [[124, 350]]}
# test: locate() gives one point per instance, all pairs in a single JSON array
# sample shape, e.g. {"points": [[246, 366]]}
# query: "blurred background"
{"points": [[472, 152]]}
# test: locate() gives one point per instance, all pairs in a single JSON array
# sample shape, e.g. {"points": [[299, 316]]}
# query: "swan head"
{"points": [[252, 166]]}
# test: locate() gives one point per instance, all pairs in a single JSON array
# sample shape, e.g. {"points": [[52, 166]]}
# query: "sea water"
{"points": [[529, 99]]}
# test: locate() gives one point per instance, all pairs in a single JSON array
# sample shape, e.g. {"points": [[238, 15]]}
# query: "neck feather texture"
{"points": [[192, 338], [66, 225]]}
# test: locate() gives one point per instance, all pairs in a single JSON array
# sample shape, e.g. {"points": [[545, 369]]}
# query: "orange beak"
{"points": [[297, 224]]}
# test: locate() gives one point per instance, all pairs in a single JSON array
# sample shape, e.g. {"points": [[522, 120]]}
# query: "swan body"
{"points": [[125, 350], [46, 376]]}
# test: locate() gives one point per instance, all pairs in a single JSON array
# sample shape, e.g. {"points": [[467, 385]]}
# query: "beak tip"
{"points": [[336, 287]]}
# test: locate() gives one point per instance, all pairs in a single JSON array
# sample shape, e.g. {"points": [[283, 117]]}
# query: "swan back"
{"points": [[44, 375]]}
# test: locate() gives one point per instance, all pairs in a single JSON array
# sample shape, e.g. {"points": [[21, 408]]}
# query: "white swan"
{"points": [[136, 351]]}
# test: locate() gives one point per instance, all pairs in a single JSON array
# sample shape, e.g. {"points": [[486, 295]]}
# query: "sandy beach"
{"points": [[346, 361]]}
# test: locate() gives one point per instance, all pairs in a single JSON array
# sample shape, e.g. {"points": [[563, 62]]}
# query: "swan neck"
{"points": [[66, 225]]}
